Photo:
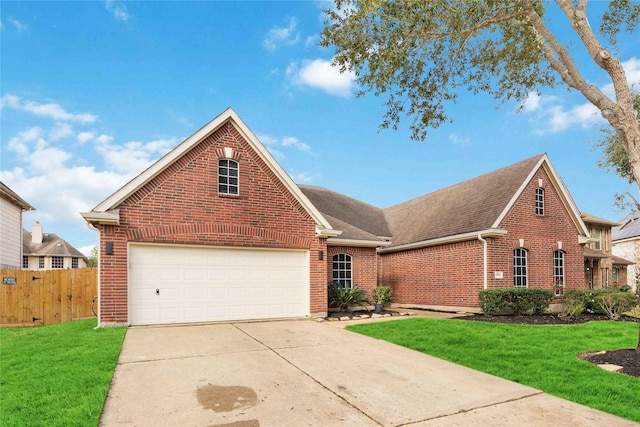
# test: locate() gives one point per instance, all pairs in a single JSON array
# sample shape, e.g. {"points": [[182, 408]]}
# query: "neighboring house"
{"points": [[602, 269], [11, 208], [626, 244], [47, 251], [216, 231]]}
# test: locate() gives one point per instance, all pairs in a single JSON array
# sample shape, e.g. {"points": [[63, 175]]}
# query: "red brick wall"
{"points": [[452, 274], [182, 205], [444, 275], [541, 234], [364, 266]]}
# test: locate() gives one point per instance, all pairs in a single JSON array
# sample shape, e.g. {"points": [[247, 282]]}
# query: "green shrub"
{"points": [[344, 298], [573, 303], [611, 302], [518, 301], [382, 295]]}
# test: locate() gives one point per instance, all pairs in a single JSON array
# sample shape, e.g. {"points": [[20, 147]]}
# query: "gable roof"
{"points": [[107, 211], [629, 228], [52, 245], [13, 197], [476, 206], [592, 219]]}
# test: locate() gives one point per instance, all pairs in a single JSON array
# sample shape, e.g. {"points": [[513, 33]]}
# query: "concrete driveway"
{"points": [[304, 373]]}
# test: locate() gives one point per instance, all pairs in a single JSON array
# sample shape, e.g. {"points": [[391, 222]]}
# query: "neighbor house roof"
{"points": [[620, 261], [592, 219], [471, 207], [52, 245], [12, 196], [629, 228]]}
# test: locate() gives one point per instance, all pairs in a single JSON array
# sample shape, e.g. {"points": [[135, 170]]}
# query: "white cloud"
{"points": [[463, 141], [553, 117], [119, 11], [84, 137], [17, 24], [53, 111], [532, 103], [290, 141], [60, 130], [43, 165], [277, 36], [132, 157], [302, 177], [320, 74], [275, 144]]}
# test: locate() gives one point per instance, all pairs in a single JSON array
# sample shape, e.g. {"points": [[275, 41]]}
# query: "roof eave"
{"points": [[357, 243], [111, 217], [492, 232]]}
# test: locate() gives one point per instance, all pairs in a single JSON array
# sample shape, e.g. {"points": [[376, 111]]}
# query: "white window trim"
{"points": [[228, 176], [516, 276], [333, 270], [539, 201]]}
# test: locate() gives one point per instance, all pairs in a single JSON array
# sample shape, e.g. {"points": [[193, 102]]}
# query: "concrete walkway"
{"points": [[304, 373]]}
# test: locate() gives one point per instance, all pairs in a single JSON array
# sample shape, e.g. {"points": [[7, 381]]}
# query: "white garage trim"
{"points": [[190, 283]]}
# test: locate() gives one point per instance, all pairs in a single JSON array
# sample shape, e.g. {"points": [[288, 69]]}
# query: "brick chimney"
{"points": [[36, 233]]}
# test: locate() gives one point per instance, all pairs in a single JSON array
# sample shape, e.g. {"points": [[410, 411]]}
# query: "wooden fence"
{"points": [[49, 296]]}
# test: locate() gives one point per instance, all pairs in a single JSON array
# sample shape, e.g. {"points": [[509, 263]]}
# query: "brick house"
{"points": [[216, 230], [602, 269]]}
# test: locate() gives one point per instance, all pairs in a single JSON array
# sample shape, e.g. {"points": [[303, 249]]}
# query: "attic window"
{"points": [[539, 201], [228, 177]]}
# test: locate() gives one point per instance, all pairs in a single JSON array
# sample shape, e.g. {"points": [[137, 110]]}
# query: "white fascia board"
{"points": [[111, 217], [492, 232], [152, 171], [279, 171], [325, 233], [565, 196], [229, 114], [357, 243]]}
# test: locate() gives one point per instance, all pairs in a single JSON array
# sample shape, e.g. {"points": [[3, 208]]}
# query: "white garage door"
{"points": [[186, 284]]}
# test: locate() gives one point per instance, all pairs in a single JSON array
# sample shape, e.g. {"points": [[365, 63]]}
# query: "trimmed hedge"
{"points": [[518, 301]]}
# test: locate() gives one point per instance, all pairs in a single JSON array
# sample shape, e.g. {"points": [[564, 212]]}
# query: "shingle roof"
{"points": [[12, 196], [359, 215], [469, 206], [629, 227], [51, 245], [586, 217]]}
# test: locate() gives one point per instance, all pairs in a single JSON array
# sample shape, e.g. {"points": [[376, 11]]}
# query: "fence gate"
{"points": [[45, 297]]}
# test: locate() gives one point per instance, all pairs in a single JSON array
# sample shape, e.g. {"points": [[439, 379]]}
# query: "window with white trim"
{"points": [[74, 262], [41, 262], [25, 261], [558, 272], [597, 234], [520, 268], [539, 201], [342, 273], [228, 177], [57, 262]]}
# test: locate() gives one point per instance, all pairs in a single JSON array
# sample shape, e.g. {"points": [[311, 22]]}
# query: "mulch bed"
{"points": [[627, 358]]}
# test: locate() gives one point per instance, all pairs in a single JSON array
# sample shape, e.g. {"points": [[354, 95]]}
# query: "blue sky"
{"points": [[94, 92]]}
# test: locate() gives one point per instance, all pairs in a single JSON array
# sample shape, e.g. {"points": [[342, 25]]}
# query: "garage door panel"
{"points": [[199, 284]]}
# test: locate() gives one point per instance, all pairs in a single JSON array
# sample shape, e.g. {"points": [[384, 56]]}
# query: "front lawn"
{"points": [[543, 357], [56, 375]]}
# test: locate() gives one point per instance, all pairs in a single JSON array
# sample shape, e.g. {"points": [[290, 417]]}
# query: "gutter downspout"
{"points": [[484, 258]]}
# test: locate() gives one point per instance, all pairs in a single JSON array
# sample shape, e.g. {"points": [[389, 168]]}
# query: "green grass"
{"points": [[56, 375], [543, 357]]}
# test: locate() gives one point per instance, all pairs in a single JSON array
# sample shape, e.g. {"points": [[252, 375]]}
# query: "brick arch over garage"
{"points": [[214, 233]]}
